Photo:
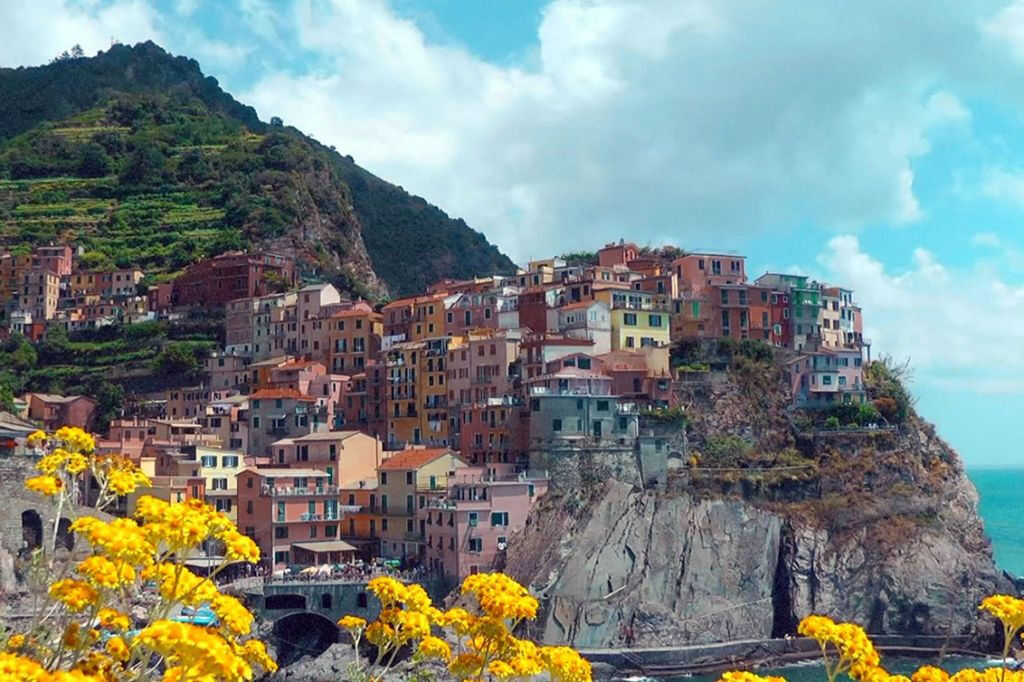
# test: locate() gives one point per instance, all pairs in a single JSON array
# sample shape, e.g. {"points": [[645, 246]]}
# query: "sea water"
{"points": [[1001, 505]]}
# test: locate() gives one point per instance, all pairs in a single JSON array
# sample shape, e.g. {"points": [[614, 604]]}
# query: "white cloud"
{"points": [[990, 239], [695, 120], [959, 327], [36, 32], [1004, 185]]}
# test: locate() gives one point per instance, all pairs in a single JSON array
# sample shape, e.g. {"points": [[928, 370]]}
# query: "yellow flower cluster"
{"points": [[737, 676], [192, 652], [501, 597], [857, 655], [1009, 610], [90, 637], [485, 643]]}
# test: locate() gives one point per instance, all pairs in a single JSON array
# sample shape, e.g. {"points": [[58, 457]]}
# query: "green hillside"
{"points": [[138, 157]]}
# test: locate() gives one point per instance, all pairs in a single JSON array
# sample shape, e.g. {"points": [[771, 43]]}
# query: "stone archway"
{"points": [[302, 634], [31, 529], [65, 538]]}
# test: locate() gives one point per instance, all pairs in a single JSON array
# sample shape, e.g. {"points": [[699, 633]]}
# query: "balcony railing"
{"points": [[330, 516], [287, 491], [413, 537]]}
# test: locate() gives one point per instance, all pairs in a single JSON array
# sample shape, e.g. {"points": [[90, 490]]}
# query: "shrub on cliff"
{"points": [[885, 381], [726, 451]]}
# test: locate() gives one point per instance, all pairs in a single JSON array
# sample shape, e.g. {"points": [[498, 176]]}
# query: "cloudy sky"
{"points": [[874, 144]]}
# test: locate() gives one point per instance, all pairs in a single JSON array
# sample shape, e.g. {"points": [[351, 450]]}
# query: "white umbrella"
{"points": [[324, 570]]}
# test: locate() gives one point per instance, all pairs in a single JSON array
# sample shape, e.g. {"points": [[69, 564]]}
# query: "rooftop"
{"points": [[284, 471], [281, 394], [413, 459], [326, 546]]}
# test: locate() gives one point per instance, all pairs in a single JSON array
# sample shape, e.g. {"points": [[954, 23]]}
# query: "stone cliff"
{"points": [[774, 522]]}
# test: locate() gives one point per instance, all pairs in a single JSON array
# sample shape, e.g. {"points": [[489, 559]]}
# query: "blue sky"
{"points": [[878, 145]]}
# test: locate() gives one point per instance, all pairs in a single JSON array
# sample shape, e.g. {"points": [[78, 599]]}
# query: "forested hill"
{"points": [[143, 160]]}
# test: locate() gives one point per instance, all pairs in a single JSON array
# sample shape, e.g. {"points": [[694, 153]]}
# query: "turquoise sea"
{"points": [[1002, 508]]}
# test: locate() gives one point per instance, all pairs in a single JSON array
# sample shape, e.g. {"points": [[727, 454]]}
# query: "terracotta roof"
{"points": [[276, 393], [413, 459], [414, 300], [298, 364], [285, 472], [358, 310]]}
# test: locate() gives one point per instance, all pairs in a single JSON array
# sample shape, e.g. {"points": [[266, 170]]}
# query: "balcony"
{"points": [[413, 537], [331, 516], [279, 431], [267, 491]]}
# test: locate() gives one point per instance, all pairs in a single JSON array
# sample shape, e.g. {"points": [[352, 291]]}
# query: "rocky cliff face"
{"points": [[879, 528]]}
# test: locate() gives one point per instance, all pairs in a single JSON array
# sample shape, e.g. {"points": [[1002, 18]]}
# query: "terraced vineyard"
{"points": [[159, 205]]}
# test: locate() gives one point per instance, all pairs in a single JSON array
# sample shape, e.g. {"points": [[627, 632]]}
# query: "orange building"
{"points": [[353, 338]]}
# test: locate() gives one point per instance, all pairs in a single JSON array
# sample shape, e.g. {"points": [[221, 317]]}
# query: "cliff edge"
{"points": [[762, 519]]}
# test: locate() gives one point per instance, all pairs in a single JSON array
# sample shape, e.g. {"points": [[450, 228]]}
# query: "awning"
{"points": [[321, 547]]}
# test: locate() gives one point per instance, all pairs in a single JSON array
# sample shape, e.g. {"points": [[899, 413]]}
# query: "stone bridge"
{"points": [[304, 613]]}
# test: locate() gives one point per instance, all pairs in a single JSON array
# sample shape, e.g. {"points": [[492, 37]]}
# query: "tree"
{"points": [[276, 122], [77, 52], [6, 393], [93, 162], [146, 166], [176, 359], [109, 400]]}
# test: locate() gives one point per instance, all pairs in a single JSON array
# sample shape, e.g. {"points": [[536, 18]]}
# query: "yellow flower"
{"points": [[196, 650], [255, 653], [1010, 610], [434, 647], [74, 594], [466, 665], [15, 668], [239, 547], [45, 485], [501, 670], [35, 439], [116, 647], [75, 439], [744, 676], [458, 619], [15, 642], [565, 664], [232, 614], [352, 623], [110, 618], [388, 590], [379, 634], [102, 572]]}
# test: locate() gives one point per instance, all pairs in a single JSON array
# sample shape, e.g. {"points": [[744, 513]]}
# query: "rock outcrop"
{"points": [[878, 527]]}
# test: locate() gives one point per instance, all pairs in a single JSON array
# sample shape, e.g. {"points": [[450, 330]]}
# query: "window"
{"points": [[408, 477], [384, 503], [602, 405], [556, 424], [208, 461], [630, 342], [230, 461], [583, 363], [827, 379], [383, 524], [476, 545], [654, 320], [256, 421], [248, 507], [383, 478], [629, 319], [499, 518], [334, 452], [725, 297], [312, 530], [725, 320], [281, 532], [473, 519]]}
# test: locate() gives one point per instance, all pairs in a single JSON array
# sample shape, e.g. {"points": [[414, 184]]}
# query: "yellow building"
{"points": [[218, 469], [405, 480], [428, 317], [417, 400], [639, 319]]}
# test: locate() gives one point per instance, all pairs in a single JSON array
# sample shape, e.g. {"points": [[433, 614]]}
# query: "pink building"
{"points": [[345, 456], [278, 507], [55, 411], [699, 270], [469, 526], [482, 368], [471, 310]]}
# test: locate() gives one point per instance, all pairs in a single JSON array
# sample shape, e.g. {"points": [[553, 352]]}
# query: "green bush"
{"points": [[832, 422], [726, 451]]}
